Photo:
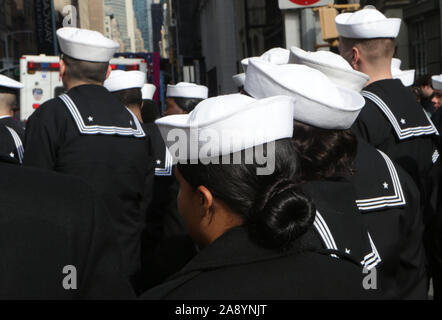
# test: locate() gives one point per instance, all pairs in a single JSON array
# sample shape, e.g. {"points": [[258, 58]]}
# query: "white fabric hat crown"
{"points": [[320, 103], [123, 80], [86, 45], [406, 76], [148, 91], [275, 56], [228, 124], [10, 83], [437, 82], [239, 79], [367, 24], [187, 90], [336, 68]]}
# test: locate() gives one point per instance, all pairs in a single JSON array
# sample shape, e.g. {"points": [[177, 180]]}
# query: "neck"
{"points": [[72, 84], [137, 111], [377, 73], [6, 113]]}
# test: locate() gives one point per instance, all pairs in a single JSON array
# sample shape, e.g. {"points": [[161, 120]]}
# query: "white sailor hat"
{"points": [[86, 45], [227, 124], [239, 79], [367, 24], [275, 56], [437, 82], [123, 80], [336, 68], [187, 90], [320, 102], [10, 83], [148, 91], [406, 76]]}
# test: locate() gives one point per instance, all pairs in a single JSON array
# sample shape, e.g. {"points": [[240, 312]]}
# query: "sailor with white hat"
{"points": [[371, 167], [325, 107], [436, 83], [8, 105], [183, 97], [89, 133]]}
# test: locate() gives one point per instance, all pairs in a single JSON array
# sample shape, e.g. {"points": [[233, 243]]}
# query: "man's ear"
{"points": [[62, 68], [206, 203], [355, 58], [109, 70]]}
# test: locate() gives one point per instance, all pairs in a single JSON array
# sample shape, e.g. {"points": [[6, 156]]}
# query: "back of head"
{"points": [[85, 71], [187, 104], [8, 100], [375, 52], [129, 97], [323, 154], [275, 212]]}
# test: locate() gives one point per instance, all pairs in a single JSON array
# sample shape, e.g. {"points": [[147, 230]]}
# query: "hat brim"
{"points": [[388, 28], [350, 79], [406, 76], [232, 128]]}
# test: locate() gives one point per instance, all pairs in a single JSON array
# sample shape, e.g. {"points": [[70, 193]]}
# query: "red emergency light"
{"points": [[43, 66], [125, 67]]}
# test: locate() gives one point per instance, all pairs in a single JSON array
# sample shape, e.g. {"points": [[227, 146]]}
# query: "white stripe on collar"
{"points": [[373, 259], [398, 199], [18, 144], [95, 129], [167, 170], [324, 232], [401, 133], [4, 117]]}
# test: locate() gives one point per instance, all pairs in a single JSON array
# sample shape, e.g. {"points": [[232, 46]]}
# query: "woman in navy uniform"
{"points": [[385, 194], [254, 225], [89, 133]]}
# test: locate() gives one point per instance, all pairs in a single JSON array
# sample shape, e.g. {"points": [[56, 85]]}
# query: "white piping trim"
{"points": [[373, 259], [18, 144], [95, 129], [398, 199], [401, 133], [167, 170], [324, 232], [435, 156]]}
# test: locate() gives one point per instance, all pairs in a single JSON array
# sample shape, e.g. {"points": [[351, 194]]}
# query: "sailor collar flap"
{"points": [[381, 188], [406, 122], [339, 224], [92, 121]]}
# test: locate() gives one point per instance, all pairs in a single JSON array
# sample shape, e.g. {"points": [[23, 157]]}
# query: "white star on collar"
{"points": [[12, 155], [347, 251], [403, 121], [90, 119], [385, 184], [158, 161]]}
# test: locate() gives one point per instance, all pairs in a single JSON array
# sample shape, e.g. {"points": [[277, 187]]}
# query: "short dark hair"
{"points": [[128, 97], [187, 104], [424, 80], [85, 70], [372, 49], [323, 153], [150, 111], [275, 211]]}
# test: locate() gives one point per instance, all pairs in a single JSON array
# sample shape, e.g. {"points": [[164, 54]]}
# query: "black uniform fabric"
{"points": [[402, 131], [115, 163], [49, 221], [18, 126], [233, 268], [166, 245], [8, 148], [338, 223], [388, 200]]}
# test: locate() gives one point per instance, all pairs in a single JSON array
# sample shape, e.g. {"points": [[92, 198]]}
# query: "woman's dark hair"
{"points": [[150, 111], [274, 209], [129, 96], [323, 153], [187, 104]]}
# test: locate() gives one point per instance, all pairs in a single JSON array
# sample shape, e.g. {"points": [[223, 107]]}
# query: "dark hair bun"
{"points": [[281, 215]]}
